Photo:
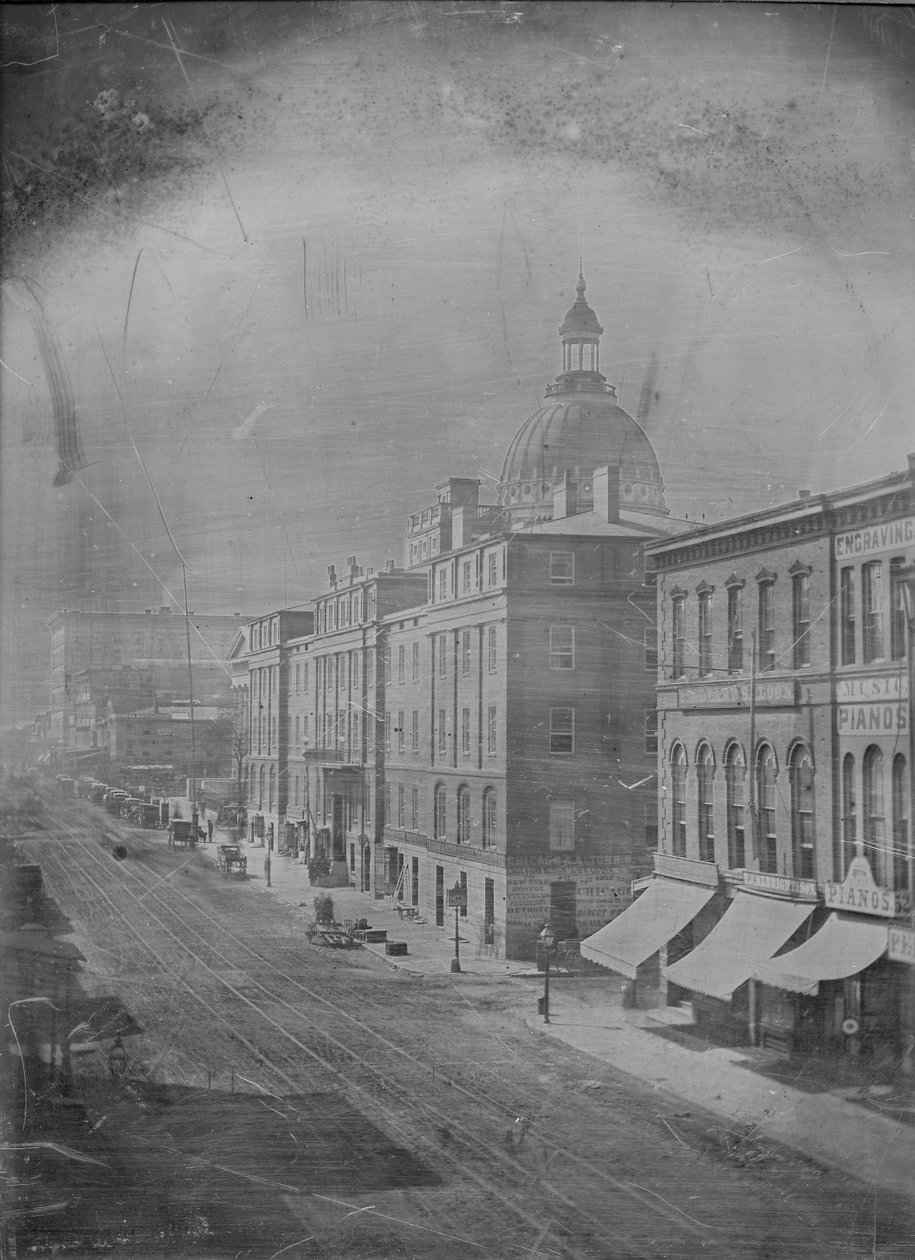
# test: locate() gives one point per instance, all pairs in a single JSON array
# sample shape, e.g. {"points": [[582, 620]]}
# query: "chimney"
{"points": [[164, 609], [352, 569], [804, 494], [459, 531], [606, 483], [331, 577], [389, 566]]}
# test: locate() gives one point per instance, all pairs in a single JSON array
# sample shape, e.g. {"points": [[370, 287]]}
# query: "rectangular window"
{"points": [[305, 731], [298, 731], [491, 730], [386, 654], [465, 732], [800, 623], [678, 635], [562, 730], [298, 679], [705, 633], [651, 649], [466, 578], [414, 808], [492, 659], [562, 568], [767, 625], [872, 600], [354, 670], [401, 733], [847, 615], [443, 583], [442, 645], [341, 728], [442, 732], [402, 662], [562, 647], [416, 662], [492, 570], [898, 623], [400, 804], [387, 732], [651, 730], [415, 732], [562, 825], [387, 804], [735, 629], [465, 651]]}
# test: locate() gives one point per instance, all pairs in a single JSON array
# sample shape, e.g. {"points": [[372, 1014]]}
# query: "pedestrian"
{"points": [[209, 831]]}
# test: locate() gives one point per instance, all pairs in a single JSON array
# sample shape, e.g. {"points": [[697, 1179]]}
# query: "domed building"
{"points": [[579, 428]]}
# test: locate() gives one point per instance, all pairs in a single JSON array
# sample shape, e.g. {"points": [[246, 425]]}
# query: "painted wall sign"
{"points": [[901, 945], [892, 687], [868, 542], [859, 893], [737, 694], [782, 885], [686, 869], [872, 719]]}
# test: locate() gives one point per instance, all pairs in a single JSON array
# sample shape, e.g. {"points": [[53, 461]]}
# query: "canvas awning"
{"points": [[844, 945], [663, 910], [748, 933]]}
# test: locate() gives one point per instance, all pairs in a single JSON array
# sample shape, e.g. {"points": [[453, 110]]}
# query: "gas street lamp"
{"points": [[547, 940], [457, 897]]}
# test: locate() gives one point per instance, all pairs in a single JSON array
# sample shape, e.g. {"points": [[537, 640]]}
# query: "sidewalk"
{"points": [[741, 1085]]}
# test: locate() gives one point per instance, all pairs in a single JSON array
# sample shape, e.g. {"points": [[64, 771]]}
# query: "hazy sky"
{"points": [[311, 259]]}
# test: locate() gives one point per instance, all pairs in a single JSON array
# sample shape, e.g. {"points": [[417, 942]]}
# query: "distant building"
{"points": [[782, 892], [163, 738], [93, 644]]}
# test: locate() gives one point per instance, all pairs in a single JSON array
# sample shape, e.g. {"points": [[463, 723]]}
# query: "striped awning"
{"points": [[662, 910], [748, 934]]}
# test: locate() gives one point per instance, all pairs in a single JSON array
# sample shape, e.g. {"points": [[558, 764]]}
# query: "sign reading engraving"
{"points": [[901, 944], [859, 893], [867, 542], [737, 694], [686, 869], [782, 885]]}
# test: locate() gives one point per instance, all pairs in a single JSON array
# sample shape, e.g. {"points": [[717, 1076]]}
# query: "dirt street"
{"points": [[285, 1099]]}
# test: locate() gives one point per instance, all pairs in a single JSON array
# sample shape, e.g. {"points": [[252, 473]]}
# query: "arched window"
{"points": [[705, 773], [734, 775], [802, 840], [678, 801], [900, 821], [489, 817], [766, 771], [463, 814], [439, 812], [874, 815], [849, 811]]}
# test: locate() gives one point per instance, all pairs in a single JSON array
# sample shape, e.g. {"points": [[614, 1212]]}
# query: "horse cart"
{"points": [[231, 861], [181, 833]]}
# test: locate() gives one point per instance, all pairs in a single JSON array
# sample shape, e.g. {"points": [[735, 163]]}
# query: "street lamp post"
{"points": [[457, 897], [547, 940]]}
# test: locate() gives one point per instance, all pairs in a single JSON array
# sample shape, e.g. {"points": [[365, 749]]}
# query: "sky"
{"points": [[272, 271]]}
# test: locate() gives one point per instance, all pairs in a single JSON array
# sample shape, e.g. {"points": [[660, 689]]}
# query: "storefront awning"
{"points": [[844, 945], [663, 910], [750, 931]]}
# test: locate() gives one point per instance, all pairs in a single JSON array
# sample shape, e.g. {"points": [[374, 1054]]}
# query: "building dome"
{"points": [[579, 428]]}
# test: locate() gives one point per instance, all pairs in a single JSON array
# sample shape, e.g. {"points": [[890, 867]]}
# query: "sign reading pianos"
{"points": [[869, 707], [859, 893]]}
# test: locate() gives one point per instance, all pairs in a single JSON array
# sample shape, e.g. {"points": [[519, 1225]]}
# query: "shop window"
{"points": [[900, 822], [802, 829], [735, 628], [847, 616], [562, 730], [439, 812], [705, 776], [562, 825], [463, 815], [734, 777], [678, 801], [872, 608], [766, 773], [800, 623]]}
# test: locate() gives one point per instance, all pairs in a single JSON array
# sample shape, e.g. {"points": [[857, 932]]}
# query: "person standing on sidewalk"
{"points": [[267, 867], [209, 831]]}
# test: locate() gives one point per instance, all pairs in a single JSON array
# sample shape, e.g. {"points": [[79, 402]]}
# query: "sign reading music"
{"points": [[724, 695], [877, 538]]}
